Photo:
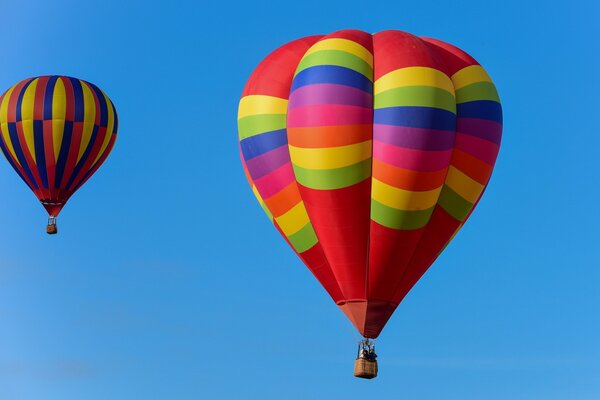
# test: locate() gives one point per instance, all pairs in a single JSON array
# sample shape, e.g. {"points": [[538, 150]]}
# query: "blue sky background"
{"points": [[166, 280]]}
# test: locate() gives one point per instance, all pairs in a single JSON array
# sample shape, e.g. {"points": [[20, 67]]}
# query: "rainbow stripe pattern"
{"points": [[369, 152], [55, 132]]}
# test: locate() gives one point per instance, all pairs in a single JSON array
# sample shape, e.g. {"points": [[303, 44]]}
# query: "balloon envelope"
{"points": [[368, 153], [56, 131]]}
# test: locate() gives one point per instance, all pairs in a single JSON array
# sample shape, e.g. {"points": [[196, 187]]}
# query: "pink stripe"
{"points": [[482, 149], [271, 184], [415, 160], [328, 93], [329, 115]]}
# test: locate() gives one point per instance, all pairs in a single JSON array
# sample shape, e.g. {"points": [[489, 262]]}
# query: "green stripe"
{"points": [[399, 219], [477, 91], [326, 179], [257, 124], [336, 57], [454, 205], [425, 96], [304, 239]]}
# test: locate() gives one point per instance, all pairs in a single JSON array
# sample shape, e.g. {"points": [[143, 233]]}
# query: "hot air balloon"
{"points": [[56, 131], [368, 153]]}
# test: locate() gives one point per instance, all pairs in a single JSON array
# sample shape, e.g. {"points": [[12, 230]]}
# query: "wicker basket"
{"points": [[51, 229], [364, 368]]}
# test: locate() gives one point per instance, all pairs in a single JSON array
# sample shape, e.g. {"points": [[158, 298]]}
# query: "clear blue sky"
{"points": [[168, 282]]}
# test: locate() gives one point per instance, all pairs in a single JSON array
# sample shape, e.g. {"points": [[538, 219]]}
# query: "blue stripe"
{"points": [[103, 105], [480, 109], [40, 154], [78, 104], [416, 117], [14, 138], [19, 105], [64, 153], [332, 74], [84, 157], [10, 161], [115, 118], [48, 95], [254, 146]]}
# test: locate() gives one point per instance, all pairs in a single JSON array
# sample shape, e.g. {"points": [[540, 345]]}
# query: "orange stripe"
{"points": [[329, 136], [471, 166], [284, 200], [408, 179]]}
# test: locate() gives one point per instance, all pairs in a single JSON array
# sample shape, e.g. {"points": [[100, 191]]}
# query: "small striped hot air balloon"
{"points": [[55, 132], [369, 153]]}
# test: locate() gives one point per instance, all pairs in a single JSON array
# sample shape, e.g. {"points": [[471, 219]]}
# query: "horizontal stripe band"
{"points": [[332, 74], [416, 117], [329, 179], [329, 136], [479, 148], [407, 179], [267, 162], [463, 185], [469, 75], [480, 109], [346, 45], [336, 57], [417, 160], [275, 181], [330, 94], [477, 91], [414, 76], [293, 220], [254, 146], [399, 219], [422, 96], [330, 157], [260, 104], [257, 124], [413, 138], [453, 204], [403, 199], [481, 128], [329, 114], [304, 239]]}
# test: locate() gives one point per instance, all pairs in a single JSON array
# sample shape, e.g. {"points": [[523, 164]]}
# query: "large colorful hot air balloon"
{"points": [[369, 153], [56, 131]]}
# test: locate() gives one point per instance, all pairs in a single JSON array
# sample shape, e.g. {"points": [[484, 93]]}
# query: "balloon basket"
{"points": [[51, 228], [366, 369], [365, 365]]}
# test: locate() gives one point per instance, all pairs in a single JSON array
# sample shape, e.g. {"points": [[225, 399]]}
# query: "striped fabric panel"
{"points": [[264, 149], [413, 135], [330, 141], [56, 131]]}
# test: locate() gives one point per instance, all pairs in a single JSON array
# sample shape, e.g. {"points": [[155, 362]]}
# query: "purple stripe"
{"points": [[267, 162], [326, 93], [413, 138], [481, 128]]}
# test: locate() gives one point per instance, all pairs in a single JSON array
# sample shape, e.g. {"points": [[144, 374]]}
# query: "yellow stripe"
{"points": [[259, 104], [463, 185], [344, 45], [29, 100], [89, 118], [330, 157], [413, 76], [404, 199], [109, 127], [469, 75], [4, 122], [27, 118], [293, 220], [59, 112]]}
